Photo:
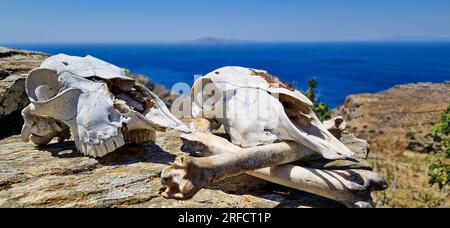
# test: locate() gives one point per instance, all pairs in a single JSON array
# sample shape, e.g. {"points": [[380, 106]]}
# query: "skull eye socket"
{"points": [[42, 85]]}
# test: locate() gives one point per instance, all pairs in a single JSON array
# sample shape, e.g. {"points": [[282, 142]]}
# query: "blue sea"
{"points": [[341, 68]]}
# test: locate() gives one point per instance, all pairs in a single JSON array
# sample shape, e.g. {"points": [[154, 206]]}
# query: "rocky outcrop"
{"points": [[14, 66], [58, 176], [398, 119]]}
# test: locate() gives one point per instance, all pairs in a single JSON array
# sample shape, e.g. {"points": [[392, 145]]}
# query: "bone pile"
{"points": [[271, 126], [93, 101]]}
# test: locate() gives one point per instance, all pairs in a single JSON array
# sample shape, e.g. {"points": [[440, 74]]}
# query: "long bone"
{"points": [[188, 175]]}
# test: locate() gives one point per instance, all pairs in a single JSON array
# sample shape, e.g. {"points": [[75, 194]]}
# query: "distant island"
{"points": [[212, 40], [218, 41]]}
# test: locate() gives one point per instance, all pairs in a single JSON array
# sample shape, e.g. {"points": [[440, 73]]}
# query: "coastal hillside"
{"points": [[399, 118], [397, 123]]}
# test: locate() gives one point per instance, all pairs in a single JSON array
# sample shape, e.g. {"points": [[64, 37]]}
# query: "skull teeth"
{"points": [[115, 142], [139, 136], [102, 149]]}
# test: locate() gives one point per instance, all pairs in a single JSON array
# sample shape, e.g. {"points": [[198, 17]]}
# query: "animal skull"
{"points": [[102, 107], [245, 101]]}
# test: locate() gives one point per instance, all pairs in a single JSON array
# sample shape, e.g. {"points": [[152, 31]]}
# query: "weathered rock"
{"points": [[14, 67], [58, 176], [359, 146], [399, 118], [4, 74]]}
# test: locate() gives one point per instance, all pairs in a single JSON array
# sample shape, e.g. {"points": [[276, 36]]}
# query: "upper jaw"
{"points": [[163, 121]]}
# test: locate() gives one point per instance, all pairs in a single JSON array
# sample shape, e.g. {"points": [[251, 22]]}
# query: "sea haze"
{"points": [[341, 68]]}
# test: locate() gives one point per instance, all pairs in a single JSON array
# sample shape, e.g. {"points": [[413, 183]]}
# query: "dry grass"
{"points": [[407, 175]]}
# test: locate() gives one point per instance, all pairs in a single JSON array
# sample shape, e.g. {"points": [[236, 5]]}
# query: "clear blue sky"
{"points": [[260, 20]]}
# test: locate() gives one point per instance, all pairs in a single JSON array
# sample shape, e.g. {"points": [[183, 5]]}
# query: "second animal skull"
{"points": [[256, 108]]}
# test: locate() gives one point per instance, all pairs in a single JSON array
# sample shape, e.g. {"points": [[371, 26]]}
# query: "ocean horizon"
{"points": [[341, 68]]}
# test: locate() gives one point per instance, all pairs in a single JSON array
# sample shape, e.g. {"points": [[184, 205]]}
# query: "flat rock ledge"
{"points": [[59, 176]]}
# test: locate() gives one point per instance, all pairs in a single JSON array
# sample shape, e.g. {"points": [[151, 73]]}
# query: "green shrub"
{"points": [[446, 146], [127, 72], [439, 171], [442, 128], [322, 110]]}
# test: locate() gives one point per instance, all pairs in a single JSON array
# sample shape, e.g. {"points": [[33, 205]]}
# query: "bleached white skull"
{"points": [[256, 108], [102, 107]]}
